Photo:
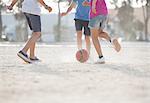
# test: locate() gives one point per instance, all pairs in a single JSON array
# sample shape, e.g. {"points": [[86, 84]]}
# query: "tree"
{"points": [[126, 15], [1, 24], [146, 15], [21, 27], [146, 12], [115, 2], [57, 27]]}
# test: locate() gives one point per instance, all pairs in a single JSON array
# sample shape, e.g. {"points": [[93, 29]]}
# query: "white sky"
{"points": [[64, 5]]}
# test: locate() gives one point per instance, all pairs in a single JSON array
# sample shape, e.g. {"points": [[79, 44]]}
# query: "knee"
{"points": [[37, 34], [79, 35], [87, 37], [101, 31], [95, 35]]}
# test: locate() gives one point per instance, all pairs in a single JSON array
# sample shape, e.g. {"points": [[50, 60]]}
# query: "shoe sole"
{"points": [[117, 45], [36, 61], [24, 58]]}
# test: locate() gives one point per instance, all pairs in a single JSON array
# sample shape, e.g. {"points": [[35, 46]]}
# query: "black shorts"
{"points": [[80, 24], [34, 22]]}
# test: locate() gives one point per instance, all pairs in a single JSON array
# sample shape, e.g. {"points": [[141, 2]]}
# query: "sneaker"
{"points": [[116, 45], [24, 56], [35, 59], [101, 60]]}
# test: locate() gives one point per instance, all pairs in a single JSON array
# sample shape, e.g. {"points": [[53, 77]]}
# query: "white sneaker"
{"points": [[100, 61], [116, 45]]}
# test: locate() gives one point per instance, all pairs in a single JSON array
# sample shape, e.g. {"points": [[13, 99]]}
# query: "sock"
{"points": [[100, 56], [110, 40]]}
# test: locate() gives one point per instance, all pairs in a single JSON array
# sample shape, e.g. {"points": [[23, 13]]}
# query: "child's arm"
{"points": [[72, 5], [86, 3], [94, 6], [45, 6], [10, 7]]}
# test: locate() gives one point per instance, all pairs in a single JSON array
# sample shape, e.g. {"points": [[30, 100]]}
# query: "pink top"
{"points": [[101, 8]]}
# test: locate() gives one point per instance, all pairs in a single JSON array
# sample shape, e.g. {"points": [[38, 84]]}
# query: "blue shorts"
{"points": [[34, 22], [98, 22]]}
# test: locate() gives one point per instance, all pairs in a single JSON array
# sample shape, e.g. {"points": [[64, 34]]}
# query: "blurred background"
{"points": [[128, 19]]}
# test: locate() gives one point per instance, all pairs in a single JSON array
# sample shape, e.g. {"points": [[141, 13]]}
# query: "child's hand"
{"points": [[10, 7], [94, 10], [49, 8], [85, 3], [63, 14]]}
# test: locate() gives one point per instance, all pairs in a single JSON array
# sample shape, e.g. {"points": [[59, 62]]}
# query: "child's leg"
{"points": [[88, 43], [87, 35], [78, 26], [104, 35], [32, 51], [95, 35], [115, 42], [31, 42], [34, 22], [79, 39]]}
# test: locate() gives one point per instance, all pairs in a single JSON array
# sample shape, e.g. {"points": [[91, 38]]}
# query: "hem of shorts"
{"points": [[81, 19], [98, 15], [93, 27], [38, 14], [36, 30], [87, 35]]}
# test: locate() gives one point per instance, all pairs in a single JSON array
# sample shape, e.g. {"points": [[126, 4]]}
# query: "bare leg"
{"points": [[88, 43], [95, 35], [104, 35], [115, 42], [79, 39], [31, 43], [32, 51]]}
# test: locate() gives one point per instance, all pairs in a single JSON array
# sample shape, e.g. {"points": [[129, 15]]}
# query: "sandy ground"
{"points": [[59, 78]]}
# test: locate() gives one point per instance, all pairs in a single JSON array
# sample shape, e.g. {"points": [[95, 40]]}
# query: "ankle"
{"points": [[100, 56], [23, 51], [32, 57], [110, 40]]}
